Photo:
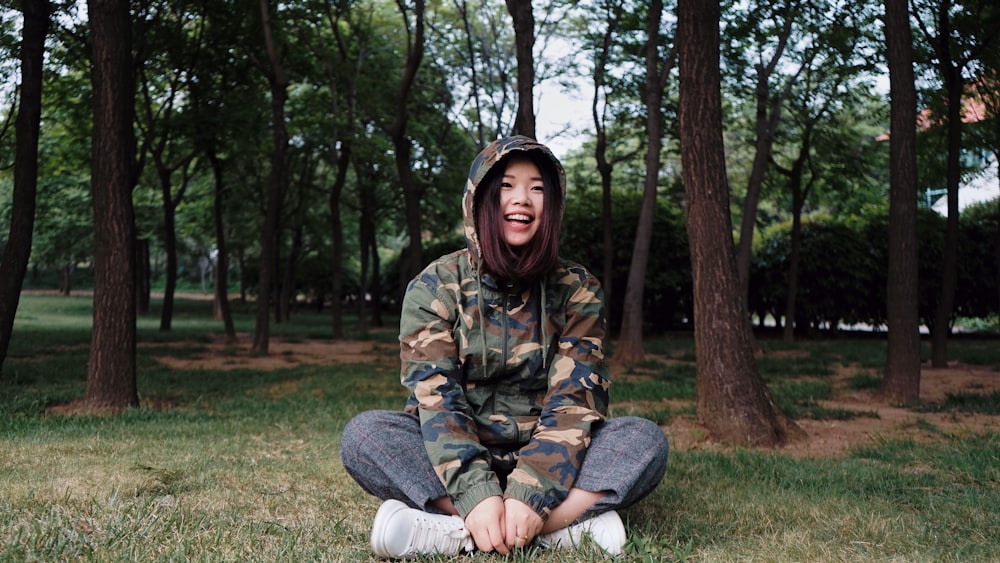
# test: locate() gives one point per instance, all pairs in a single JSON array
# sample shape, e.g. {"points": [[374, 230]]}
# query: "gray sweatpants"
{"points": [[384, 452]]}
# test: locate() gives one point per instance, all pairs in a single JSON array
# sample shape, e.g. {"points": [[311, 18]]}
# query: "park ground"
{"points": [[235, 457], [826, 437]]}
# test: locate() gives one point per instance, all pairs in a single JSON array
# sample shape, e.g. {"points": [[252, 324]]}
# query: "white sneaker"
{"points": [[606, 530], [399, 531]]}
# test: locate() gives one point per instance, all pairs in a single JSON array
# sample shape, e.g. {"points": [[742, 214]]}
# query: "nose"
{"points": [[520, 196]]}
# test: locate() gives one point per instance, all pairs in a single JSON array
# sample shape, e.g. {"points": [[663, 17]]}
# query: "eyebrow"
{"points": [[533, 178]]}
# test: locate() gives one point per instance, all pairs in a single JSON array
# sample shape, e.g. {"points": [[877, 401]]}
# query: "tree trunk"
{"points": [[366, 241], [278, 83], [949, 269], [901, 384], [474, 87], [170, 246], [287, 301], [111, 369], [337, 235], [795, 256], [17, 249], [733, 402], [221, 306], [607, 236], [66, 280], [605, 167], [630, 345], [524, 42], [143, 277], [376, 282], [413, 259]]}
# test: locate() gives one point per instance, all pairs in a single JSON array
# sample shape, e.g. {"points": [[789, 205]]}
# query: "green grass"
{"points": [[982, 403], [244, 465]]}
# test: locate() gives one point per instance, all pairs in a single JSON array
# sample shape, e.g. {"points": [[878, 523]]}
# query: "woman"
{"points": [[505, 437]]}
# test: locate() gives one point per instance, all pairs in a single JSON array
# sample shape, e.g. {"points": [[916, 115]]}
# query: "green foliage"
{"points": [[668, 300], [842, 273]]}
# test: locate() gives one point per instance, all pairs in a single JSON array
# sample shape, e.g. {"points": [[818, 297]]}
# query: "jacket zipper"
{"points": [[503, 329]]}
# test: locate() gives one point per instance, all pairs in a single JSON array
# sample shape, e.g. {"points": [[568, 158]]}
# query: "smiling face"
{"points": [[522, 201]]}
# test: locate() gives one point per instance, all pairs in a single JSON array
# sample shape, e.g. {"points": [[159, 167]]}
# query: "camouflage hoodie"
{"points": [[504, 375]]}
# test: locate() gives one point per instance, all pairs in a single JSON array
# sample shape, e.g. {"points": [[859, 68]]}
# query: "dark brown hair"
{"points": [[541, 255]]}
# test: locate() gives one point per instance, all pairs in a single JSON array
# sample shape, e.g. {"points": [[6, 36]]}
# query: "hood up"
{"points": [[485, 161]]}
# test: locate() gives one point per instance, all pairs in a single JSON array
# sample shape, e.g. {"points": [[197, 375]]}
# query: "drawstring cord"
{"points": [[543, 319]]}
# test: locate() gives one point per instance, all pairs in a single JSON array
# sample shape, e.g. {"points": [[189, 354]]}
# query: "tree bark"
{"points": [[524, 42], [111, 369], [901, 383], [278, 82], [733, 402], [630, 344], [17, 250]]}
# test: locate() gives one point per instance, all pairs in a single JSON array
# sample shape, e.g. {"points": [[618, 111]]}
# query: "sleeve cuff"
{"points": [[540, 502], [475, 495]]}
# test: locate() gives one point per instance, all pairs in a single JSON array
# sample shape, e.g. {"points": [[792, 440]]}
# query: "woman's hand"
{"points": [[486, 524], [521, 522]]}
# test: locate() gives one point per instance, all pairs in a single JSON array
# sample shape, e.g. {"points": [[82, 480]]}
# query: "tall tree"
{"points": [[771, 44], [733, 402], [278, 82], [988, 88], [901, 383], [476, 44], [342, 63], [604, 166], [611, 15], [957, 34], [413, 260], [111, 367], [524, 40], [221, 309], [163, 66], [17, 249], [223, 117], [630, 345]]}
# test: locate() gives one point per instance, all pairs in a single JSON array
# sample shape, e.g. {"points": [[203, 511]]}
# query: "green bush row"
{"points": [[843, 269]]}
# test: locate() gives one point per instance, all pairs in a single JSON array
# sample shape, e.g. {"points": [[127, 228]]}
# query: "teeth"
{"points": [[518, 217]]}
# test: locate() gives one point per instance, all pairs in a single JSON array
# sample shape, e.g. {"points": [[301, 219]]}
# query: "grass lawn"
{"points": [[240, 464]]}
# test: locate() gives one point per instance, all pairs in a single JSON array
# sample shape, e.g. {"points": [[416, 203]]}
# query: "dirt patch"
{"points": [[879, 421], [220, 355]]}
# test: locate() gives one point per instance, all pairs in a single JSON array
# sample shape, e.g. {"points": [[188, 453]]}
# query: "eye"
{"points": [[538, 188], [505, 185]]}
